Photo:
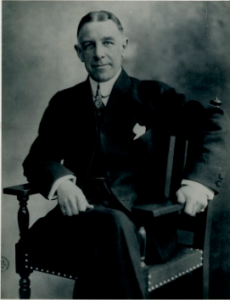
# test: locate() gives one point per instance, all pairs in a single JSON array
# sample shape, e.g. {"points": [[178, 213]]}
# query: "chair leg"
{"points": [[24, 285], [23, 222]]}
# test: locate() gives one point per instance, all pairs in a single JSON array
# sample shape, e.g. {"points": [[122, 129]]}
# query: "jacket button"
{"points": [[221, 176], [218, 183]]}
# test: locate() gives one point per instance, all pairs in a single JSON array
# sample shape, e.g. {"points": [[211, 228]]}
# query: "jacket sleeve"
{"points": [[42, 166], [206, 127]]}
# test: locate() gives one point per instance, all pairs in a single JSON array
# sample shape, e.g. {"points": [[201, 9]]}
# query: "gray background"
{"points": [[185, 44]]}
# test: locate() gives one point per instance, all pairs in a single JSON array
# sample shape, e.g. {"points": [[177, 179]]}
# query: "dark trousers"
{"points": [[103, 244]]}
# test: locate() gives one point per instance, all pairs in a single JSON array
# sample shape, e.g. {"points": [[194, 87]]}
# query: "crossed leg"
{"points": [[102, 243]]}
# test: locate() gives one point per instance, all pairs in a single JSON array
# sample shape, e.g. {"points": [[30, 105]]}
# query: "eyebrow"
{"points": [[103, 38], [87, 41], [91, 41], [108, 38]]}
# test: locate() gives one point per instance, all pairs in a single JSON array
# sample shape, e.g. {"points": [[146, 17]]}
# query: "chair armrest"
{"points": [[23, 190], [158, 209]]}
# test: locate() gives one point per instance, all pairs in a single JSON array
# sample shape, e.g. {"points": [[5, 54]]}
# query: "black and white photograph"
{"points": [[115, 150]]}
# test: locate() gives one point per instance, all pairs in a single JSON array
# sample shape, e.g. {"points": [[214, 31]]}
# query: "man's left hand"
{"points": [[195, 201]]}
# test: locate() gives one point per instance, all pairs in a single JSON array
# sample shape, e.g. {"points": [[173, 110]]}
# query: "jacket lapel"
{"points": [[120, 91], [117, 117]]}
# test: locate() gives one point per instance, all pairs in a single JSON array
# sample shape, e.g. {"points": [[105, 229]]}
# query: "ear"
{"points": [[79, 52], [124, 45]]}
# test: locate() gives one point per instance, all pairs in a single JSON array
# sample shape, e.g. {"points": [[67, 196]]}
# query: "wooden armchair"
{"points": [[193, 233]]}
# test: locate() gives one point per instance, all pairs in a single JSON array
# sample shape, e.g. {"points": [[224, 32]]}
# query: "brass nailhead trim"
{"points": [[168, 280]]}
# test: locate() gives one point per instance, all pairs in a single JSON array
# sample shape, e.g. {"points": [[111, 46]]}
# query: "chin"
{"points": [[102, 77]]}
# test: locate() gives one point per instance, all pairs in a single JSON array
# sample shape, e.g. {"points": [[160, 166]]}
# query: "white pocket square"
{"points": [[138, 130]]}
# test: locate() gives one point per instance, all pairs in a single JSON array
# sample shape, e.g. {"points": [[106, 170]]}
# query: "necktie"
{"points": [[98, 99]]}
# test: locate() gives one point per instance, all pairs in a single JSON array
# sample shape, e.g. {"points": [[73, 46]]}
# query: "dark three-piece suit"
{"points": [[103, 243]]}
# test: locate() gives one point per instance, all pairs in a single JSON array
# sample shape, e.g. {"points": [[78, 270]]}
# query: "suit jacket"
{"points": [[68, 132]]}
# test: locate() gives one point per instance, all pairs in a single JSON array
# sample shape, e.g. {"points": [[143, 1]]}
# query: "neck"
{"points": [[105, 87]]}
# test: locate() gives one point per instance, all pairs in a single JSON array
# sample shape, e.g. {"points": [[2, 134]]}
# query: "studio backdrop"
{"points": [[185, 44]]}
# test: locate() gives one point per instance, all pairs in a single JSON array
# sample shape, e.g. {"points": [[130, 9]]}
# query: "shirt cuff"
{"points": [[210, 193], [52, 194]]}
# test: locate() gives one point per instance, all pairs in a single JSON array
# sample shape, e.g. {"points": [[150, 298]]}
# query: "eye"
{"points": [[108, 43], [88, 46]]}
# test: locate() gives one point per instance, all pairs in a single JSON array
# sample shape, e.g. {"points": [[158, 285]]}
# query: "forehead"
{"points": [[98, 30]]}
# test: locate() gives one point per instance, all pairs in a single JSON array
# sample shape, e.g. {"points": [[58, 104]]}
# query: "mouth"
{"points": [[100, 66]]}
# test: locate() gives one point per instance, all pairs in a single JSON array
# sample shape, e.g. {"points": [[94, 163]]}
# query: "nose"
{"points": [[99, 52]]}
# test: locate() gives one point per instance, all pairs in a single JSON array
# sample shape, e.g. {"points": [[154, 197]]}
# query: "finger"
{"points": [[202, 204], [89, 206], [68, 209], [62, 208], [201, 208], [180, 196], [73, 206], [190, 208], [63, 204], [82, 202]]}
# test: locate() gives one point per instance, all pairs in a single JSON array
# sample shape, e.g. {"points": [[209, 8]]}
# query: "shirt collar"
{"points": [[105, 87]]}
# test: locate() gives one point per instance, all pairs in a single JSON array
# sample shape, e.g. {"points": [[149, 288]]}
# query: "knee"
{"points": [[109, 221], [119, 221]]}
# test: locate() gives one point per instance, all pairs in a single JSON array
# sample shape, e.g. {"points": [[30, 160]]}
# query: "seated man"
{"points": [[92, 154]]}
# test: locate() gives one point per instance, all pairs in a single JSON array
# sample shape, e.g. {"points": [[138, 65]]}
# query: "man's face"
{"points": [[101, 47]]}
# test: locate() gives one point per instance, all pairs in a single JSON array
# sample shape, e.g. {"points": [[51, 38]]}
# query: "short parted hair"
{"points": [[99, 16]]}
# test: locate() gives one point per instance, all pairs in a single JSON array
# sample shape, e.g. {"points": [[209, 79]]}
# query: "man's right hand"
{"points": [[71, 199]]}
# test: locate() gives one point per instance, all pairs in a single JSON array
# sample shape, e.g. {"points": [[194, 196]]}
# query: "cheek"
{"points": [[118, 59], [87, 58], [116, 55]]}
